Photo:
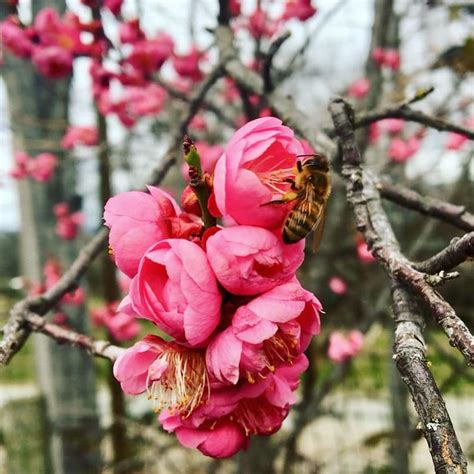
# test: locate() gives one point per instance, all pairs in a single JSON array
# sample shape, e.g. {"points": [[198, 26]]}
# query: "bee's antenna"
{"points": [[299, 166]]}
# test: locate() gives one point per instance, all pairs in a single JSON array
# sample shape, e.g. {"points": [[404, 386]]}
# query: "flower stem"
{"points": [[197, 181]]}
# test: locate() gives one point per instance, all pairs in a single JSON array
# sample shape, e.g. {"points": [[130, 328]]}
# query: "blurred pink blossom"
{"points": [[455, 141], [300, 9], [338, 285], [15, 38], [343, 348], [364, 254], [187, 65], [121, 326], [79, 135], [359, 88], [42, 167], [67, 223], [20, 168], [391, 125], [52, 62], [401, 150]]}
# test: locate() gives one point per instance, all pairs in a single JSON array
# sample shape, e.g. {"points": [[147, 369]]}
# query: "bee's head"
{"points": [[316, 162]]}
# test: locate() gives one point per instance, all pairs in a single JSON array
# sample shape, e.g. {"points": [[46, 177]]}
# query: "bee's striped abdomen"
{"points": [[298, 225]]}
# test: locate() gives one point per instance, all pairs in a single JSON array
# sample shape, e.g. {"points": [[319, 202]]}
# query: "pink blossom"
{"points": [[42, 167], [234, 7], [121, 326], [400, 150], [374, 132], [74, 298], [391, 125], [249, 260], [209, 155], [52, 62], [176, 289], [260, 25], [392, 59], [338, 285], [258, 157], [114, 6], [359, 88], [149, 55], [187, 65], [249, 409], [52, 273], [52, 31], [77, 135], [300, 9], [387, 57], [378, 54], [455, 141], [174, 376], [364, 254], [130, 31], [222, 440], [67, 223], [343, 348], [20, 168], [15, 39], [138, 220], [270, 330], [198, 123]]}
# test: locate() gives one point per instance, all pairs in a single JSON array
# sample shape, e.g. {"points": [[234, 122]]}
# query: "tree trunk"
{"points": [[38, 110]]}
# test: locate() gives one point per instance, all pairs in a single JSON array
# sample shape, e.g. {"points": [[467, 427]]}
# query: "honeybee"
{"points": [[310, 189]]}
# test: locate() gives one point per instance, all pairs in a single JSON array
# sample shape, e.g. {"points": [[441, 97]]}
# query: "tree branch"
{"points": [[453, 214], [268, 60], [407, 113], [63, 335], [410, 358], [458, 251], [372, 221]]}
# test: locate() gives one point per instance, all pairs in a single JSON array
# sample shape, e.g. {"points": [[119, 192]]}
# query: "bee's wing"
{"points": [[319, 227]]}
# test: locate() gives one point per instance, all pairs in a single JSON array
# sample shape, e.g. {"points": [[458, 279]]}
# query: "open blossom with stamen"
{"points": [[174, 376], [268, 331], [252, 172]]}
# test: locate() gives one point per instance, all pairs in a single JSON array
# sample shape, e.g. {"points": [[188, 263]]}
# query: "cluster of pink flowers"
{"points": [[67, 222], [387, 57], [261, 24], [342, 348], [41, 168], [227, 296]]}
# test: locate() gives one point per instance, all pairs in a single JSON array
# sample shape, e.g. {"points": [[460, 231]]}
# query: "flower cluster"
{"points": [[121, 326], [41, 168], [342, 348], [227, 296]]}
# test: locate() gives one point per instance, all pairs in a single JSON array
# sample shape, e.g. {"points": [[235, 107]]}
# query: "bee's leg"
{"points": [[287, 197], [292, 183]]}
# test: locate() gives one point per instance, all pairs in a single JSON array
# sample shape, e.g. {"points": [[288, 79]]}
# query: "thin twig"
{"points": [[458, 251], [63, 335], [453, 214], [407, 113], [268, 60]]}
